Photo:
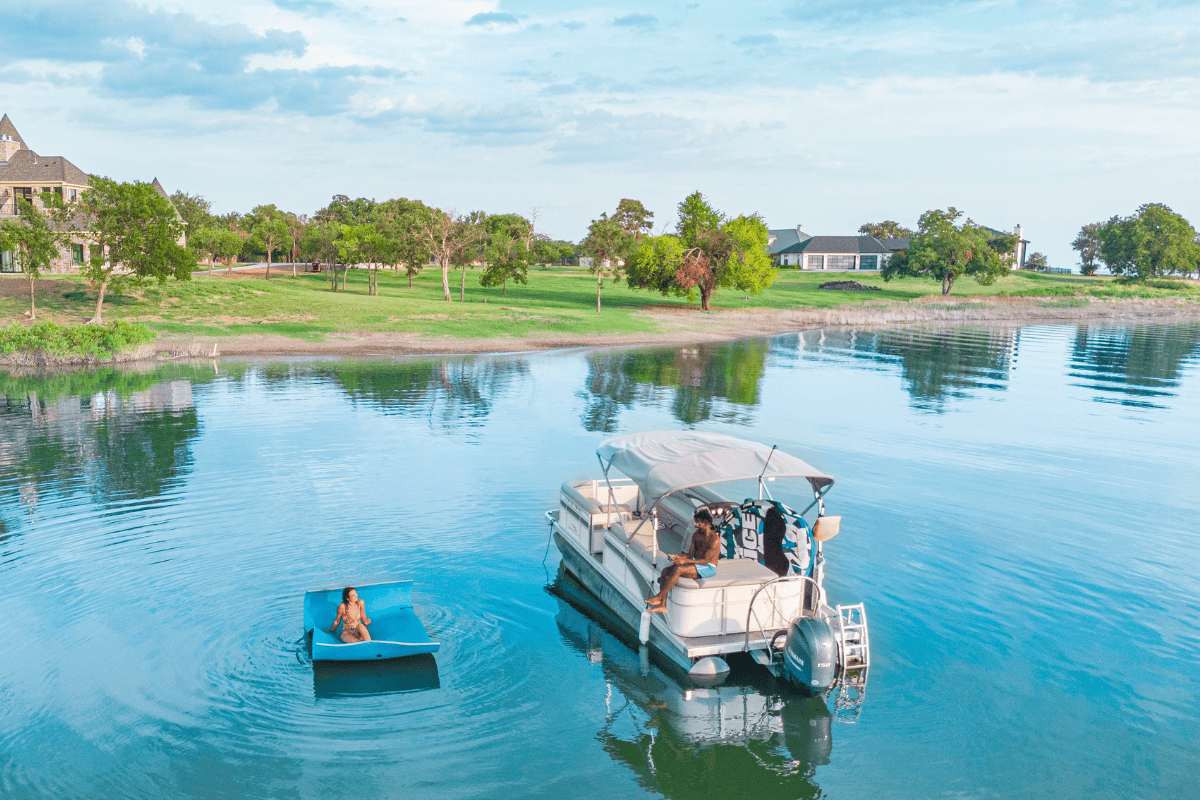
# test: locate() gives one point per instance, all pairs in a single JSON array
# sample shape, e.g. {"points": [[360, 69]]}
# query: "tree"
{"points": [[606, 243], [1153, 241], [225, 244], [402, 222], [888, 229], [295, 224], [195, 210], [268, 230], [506, 254], [321, 239], [1037, 262], [472, 234], [135, 233], [654, 264], [449, 236], [35, 243], [633, 218], [708, 252], [945, 251], [1088, 245]]}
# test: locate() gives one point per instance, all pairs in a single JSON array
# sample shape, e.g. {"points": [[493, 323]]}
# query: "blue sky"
{"points": [[824, 113]]}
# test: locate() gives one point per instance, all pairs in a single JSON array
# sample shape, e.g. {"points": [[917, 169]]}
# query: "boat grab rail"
{"points": [[781, 579]]}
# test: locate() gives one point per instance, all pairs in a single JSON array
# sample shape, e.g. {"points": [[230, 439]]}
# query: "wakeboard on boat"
{"points": [[615, 534]]}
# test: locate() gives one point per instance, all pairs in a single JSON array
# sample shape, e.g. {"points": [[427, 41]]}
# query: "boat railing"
{"points": [[752, 613]]}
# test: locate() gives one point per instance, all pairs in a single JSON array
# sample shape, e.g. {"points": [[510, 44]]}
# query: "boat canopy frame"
{"points": [[662, 463]]}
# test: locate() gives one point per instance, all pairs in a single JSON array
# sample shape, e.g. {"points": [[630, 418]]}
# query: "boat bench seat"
{"points": [[732, 572]]}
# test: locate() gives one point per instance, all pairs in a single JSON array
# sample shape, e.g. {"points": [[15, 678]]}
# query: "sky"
{"points": [[821, 113]]}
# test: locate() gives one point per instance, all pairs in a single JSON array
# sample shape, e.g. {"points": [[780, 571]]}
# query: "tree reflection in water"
{"points": [[703, 381], [119, 434], [747, 738], [123, 435], [935, 363], [1130, 364], [453, 390]]}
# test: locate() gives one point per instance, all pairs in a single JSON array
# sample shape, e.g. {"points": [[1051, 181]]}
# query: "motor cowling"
{"points": [[810, 654]]}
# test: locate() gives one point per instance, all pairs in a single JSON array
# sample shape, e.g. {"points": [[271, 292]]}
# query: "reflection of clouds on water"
{"points": [[684, 741], [1133, 364], [697, 382]]}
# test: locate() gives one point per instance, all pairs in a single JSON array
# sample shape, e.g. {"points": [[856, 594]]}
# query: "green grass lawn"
{"points": [[556, 300]]}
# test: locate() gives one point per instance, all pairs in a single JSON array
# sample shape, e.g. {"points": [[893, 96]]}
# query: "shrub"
{"points": [[100, 341]]}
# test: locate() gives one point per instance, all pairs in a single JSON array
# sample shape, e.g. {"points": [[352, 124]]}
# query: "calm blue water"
{"points": [[1019, 515]]}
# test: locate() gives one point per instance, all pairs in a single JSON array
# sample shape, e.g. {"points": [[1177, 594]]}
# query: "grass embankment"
{"points": [[557, 300]]}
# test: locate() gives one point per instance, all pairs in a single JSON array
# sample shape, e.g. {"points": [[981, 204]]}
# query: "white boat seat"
{"points": [[732, 572]]}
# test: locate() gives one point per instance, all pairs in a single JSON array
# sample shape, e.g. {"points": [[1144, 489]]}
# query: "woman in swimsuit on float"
{"points": [[352, 613]]}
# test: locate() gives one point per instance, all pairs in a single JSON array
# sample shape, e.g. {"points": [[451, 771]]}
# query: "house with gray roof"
{"points": [[791, 247], [832, 253], [28, 175]]}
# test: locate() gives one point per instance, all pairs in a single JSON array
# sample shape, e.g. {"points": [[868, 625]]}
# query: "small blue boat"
{"points": [[395, 630]]}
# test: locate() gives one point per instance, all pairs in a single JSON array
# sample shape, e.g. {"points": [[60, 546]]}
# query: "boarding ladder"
{"points": [[854, 649]]}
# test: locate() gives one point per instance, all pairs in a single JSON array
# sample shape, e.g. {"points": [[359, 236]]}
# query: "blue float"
{"points": [[395, 629]]}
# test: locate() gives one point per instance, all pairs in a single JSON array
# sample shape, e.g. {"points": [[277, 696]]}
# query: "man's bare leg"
{"points": [[670, 576]]}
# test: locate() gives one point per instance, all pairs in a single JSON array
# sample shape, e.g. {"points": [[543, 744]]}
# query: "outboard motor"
{"points": [[810, 654]]}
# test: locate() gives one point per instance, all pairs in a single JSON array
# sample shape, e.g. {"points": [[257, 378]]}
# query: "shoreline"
{"points": [[676, 327]]}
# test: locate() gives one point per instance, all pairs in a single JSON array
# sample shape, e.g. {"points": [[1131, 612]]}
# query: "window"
{"points": [[816, 262], [46, 190], [841, 262], [77, 254], [7, 262], [74, 195], [869, 262]]}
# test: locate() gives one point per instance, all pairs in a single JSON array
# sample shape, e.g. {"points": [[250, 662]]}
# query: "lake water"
{"points": [[1019, 515]]}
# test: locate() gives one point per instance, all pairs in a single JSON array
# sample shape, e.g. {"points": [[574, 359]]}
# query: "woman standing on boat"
{"points": [[700, 562], [352, 613]]}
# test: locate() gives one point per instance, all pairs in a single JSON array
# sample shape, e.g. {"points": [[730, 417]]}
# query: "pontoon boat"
{"points": [[615, 534]]}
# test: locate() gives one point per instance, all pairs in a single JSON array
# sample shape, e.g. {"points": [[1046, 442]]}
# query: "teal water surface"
{"points": [[1019, 516]]}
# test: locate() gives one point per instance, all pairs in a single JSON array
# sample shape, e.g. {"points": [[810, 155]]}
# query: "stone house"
{"points": [[28, 175]]}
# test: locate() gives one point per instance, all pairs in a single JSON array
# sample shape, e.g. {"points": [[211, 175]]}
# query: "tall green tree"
{"points": [[226, 244], [321, 239], [1087, 243], [633, 218], [473, 236], [448, 236], [888, 229], [295, 224], [947, 251], [135, 233], [195, 210], [708, 252], [268, 230], [1153, 241], [608, 245], [35, 242], [506, 255], [402, 222]]}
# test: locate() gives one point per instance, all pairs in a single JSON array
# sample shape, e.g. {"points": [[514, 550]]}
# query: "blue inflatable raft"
{"points": [[395, 630]]}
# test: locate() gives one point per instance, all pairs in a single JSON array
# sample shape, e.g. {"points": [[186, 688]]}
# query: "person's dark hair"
{"points": [[703, 516], [346, 594]]}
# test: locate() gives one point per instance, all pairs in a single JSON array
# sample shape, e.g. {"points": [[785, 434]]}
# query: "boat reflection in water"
{"points": [[360, 679], [749, 737]]}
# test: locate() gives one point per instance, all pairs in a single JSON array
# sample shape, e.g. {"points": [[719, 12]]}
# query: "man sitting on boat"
{"points": [[700, 562]]}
